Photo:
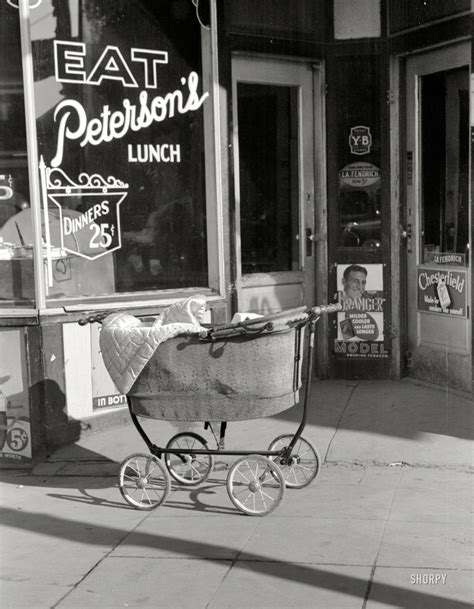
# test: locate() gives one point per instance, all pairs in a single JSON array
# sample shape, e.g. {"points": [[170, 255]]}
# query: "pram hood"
{"points": [[127, 343]]}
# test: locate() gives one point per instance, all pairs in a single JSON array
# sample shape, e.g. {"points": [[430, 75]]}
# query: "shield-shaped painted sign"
{"points": [[87, 212], [93, 230]]}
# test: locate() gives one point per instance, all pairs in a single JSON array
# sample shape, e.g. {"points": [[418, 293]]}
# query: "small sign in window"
{"points": [[442, 291]]}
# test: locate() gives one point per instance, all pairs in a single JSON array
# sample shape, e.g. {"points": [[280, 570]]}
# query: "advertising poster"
{"points": [[15, 427], [360, 324], [442, 291], [104, 393]]}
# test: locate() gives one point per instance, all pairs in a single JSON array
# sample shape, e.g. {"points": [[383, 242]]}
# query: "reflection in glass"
{"points": [[268, 136], [360, 217]]}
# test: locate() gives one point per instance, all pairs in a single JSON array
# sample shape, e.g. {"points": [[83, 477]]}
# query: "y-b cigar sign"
{"points": [[360, 140]]}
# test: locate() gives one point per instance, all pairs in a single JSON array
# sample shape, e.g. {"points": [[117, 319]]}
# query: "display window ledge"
{"points": [[73, 311]]}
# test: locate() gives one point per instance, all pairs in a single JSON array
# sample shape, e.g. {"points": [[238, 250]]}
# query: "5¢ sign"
{"points": [[17, 439]]}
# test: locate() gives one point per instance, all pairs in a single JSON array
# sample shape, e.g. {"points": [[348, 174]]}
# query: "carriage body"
{"points": [[232, 377]]}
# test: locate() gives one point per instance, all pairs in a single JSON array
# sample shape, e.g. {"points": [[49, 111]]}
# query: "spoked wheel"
{"points": [[255, 485], [303, 465], [186, 468], [143, 481]]}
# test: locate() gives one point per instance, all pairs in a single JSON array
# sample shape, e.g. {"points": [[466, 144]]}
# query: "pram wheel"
{"points": [[143, 481], [303, 465], [255, 485], [186, 468]]}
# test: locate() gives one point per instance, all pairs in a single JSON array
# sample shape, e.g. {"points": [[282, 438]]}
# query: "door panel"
{"points": [[274, 128], [438, 217]]}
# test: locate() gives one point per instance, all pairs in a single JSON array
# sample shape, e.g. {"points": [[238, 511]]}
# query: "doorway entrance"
{"points": [[278, 148], [437, 217]]}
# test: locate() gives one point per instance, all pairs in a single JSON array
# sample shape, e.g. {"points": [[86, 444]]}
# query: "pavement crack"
{"points": [[374, 566], [233, 562], [99, 562]]}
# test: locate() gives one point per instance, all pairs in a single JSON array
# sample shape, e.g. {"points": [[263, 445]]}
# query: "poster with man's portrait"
{"points": [[360, 328]]}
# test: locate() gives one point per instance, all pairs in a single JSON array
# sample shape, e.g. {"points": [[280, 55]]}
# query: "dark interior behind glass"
{"points": [[445, 164], [268, 158]]}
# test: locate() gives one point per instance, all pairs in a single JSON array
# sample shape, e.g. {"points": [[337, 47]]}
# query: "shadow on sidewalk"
{"points": [[99, 470], [401, 409], [197, 499], [84, 533]]}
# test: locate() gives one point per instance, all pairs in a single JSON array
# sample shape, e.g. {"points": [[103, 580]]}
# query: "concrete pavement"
{"points": [[387, 523]]}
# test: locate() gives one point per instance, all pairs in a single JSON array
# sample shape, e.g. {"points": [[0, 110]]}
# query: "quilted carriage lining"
{"points": [[127, 343]]}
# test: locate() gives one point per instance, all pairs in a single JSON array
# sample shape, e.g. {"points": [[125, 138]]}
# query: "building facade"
{"points": [[267, 154]]}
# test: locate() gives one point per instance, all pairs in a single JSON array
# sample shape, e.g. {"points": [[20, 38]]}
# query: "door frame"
{"points": [[268, 69], [416, 66]]}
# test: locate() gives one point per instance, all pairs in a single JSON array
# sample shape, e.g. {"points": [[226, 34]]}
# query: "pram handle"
{"points": [[325, 309], [240, 329], [245, 326]]}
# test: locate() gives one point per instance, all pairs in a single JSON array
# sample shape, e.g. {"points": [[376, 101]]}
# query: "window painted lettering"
{"points": [[74, 124], [150, 58], [69, 63], [72, 225], [111, 65], [158, 153]]}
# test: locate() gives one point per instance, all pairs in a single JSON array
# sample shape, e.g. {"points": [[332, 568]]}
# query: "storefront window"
{"points": [[16, 253], [445, 167], [120, 105]]}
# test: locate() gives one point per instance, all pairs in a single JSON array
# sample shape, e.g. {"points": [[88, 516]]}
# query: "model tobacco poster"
{"points": [[360, 323]]}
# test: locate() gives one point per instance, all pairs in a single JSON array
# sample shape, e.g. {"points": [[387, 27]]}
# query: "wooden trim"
{"points": [[396, 269], [276, 46], [32, 147], [429, 35]]}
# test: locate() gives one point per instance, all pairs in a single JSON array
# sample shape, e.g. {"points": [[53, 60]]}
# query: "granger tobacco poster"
{"points": [[360, 324]]}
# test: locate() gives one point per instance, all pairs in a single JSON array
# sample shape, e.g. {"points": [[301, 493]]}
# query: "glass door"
{"points": [[274, 131], [438, 217]]}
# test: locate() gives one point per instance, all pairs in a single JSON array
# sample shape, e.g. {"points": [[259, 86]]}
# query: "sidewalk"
{"points": [[387, 523]]}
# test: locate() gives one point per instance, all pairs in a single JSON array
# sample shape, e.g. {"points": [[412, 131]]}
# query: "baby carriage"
{"points": [[245, 370]]}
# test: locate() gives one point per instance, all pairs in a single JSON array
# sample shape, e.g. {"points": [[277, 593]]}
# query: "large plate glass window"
{"points": [[121, 96]]}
